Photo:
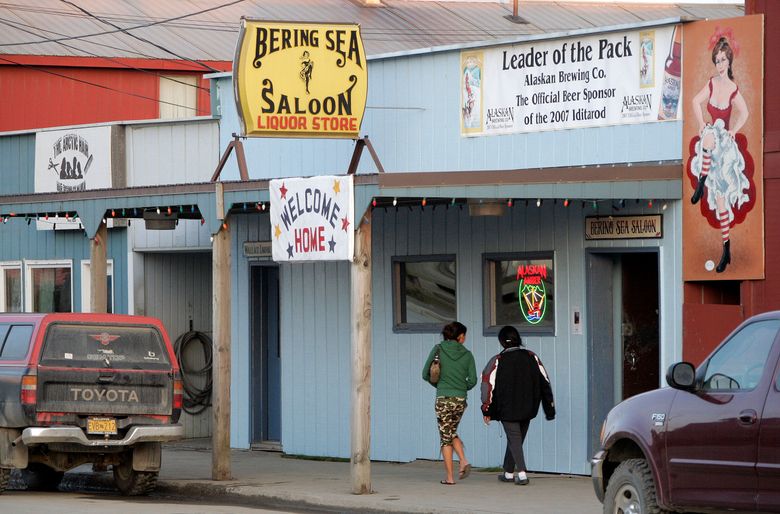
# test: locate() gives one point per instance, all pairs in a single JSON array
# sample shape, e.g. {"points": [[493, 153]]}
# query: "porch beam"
{"points": [[220, 402]]}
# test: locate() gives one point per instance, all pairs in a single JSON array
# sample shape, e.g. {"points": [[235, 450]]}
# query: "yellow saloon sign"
{"points": [[300, 79]]}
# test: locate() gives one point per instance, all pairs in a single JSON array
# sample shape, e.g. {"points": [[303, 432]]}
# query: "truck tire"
{"points": [[631, 490], [131, 482], [5, 476], [40, 477]]}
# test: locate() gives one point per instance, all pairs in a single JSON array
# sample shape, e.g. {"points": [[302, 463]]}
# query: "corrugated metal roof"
{"points": [[400, 25]]}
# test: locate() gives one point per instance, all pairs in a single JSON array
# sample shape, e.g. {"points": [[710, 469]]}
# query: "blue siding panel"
{"points": [[17, 164]]}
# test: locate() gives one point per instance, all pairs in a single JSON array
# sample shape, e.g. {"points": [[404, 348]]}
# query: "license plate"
{"points": [[101, 426]]}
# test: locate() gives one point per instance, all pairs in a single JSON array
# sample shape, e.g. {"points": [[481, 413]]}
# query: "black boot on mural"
{"points": [[699, 189], [725, 259]]}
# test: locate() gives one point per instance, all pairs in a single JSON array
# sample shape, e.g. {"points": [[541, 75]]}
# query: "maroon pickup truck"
{"points": [[86, 388], [708, 443]]}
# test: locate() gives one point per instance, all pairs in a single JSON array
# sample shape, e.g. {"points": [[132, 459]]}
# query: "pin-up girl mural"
{"points": [[720, 167]]}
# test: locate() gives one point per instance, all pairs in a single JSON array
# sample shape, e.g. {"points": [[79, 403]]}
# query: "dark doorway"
{"points": [[266, 357], [639, 327], [623, 330]]}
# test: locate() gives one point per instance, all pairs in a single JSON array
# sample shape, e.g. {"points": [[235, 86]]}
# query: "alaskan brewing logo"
{"points": [[300, 79], [70, 161], [531, 291]]}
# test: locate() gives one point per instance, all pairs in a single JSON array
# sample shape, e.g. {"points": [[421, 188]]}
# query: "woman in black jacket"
{"points": [[514, 383]]}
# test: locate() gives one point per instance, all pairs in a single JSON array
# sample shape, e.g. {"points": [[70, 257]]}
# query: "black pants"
{"points": [[515, 435]]}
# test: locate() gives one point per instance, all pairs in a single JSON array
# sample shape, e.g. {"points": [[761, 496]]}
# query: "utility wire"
{"points": [[124, 64], [119, 29], [101, 86], [139, 38]]}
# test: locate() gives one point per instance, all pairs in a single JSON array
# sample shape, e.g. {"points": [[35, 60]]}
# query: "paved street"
{"points": [[273, 481], [24, 502]]}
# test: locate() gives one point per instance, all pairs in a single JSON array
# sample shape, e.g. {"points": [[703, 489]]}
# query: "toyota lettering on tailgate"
{"points": [[109, 395]]}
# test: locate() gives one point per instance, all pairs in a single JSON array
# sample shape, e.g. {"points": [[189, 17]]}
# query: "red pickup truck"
{"points": [[86, 388], [708, 443]]}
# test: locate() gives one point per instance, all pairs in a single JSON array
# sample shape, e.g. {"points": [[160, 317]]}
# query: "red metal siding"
{"points": [[43, 99], [50, 92], [764, 295], [706, 326]]}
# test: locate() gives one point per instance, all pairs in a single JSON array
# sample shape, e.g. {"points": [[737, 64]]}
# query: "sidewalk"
{"points": [[268, 478]]}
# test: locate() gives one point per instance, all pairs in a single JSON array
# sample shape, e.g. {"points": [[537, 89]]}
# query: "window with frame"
{"points": [[425, 293], [14, 341], [11, 287], [740, 362], [48, 286], [519, 291]]}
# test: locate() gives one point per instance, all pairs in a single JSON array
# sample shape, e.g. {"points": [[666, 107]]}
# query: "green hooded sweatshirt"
{"points": [[458, 371]]}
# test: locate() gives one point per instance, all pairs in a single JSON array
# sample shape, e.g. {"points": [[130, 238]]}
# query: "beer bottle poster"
{"points": [[723, 206]]}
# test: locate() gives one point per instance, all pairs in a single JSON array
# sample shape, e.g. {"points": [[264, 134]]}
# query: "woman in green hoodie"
{"points": [[458, 375]]}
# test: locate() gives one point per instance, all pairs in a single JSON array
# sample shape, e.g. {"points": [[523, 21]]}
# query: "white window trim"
{"points": [[37, 264], [4, 266], [86, 282]]}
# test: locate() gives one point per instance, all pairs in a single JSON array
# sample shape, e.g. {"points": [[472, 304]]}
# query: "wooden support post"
{"points": [[360, 461], [220, 402], [98, 270]]}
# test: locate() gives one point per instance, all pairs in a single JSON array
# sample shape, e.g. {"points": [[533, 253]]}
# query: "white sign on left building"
{"points": [[312, 219], [71, 160]]}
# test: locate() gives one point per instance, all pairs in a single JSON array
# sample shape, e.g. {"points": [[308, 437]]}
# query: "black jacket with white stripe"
{"points": [[514, 383]]}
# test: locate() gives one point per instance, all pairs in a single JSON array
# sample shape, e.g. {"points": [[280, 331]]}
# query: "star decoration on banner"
{"points": [[344, 224], [289, 251], [277, 231], [336, 186], [332, 244], [283, 191]]}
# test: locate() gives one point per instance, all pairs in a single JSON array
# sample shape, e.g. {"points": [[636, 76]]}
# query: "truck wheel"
{"points": [[631, 490], [131, 482], [40, 477], [5, 475]]}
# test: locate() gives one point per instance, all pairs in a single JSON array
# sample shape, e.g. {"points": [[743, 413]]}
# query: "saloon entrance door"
{"points": [[623, 338]]}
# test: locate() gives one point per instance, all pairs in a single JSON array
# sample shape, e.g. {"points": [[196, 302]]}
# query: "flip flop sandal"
{"points": [[444, 482], [465, 472]]}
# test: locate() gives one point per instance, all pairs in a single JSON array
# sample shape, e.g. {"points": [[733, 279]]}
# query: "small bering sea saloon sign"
{"points": [[300, 79], [624, 227], [312, 219]]}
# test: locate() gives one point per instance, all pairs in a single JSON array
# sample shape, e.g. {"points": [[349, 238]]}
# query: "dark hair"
{"points": [[509, 337], [453, 330], [723, 46]]}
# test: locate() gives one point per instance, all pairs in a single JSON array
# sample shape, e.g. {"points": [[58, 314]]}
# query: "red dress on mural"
{"points": [[722, 175]]}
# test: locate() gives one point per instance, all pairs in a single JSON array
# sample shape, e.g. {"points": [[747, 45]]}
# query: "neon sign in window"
{"points": [[520, 291], [531, 292]]}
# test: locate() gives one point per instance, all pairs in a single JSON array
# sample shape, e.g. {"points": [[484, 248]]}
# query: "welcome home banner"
{"points": [[591, 81], [312, 219]]}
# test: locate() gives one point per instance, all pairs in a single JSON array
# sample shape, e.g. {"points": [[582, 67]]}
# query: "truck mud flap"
{"points": [[12, 455], [147, 457]]}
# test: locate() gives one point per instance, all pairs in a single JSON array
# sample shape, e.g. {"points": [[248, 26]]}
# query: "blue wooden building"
{"points": [[452, 213]]}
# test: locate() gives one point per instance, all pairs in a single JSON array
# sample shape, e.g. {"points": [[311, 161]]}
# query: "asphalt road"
{"points": [[31, 502]]}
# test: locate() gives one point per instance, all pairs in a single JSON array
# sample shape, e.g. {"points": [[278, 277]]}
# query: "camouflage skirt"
{"points": [[449, 410]]}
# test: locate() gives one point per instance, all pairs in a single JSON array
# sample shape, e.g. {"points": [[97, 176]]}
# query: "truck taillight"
{"points": [[29, 389], [178, 390]]}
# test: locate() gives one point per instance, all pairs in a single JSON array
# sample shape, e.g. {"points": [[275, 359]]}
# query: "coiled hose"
{"points": [[196, 398]]}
